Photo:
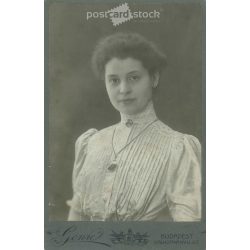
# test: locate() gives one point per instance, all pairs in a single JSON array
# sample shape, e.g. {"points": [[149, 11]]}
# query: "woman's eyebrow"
{"points": [[132, 72], [112, 75]]}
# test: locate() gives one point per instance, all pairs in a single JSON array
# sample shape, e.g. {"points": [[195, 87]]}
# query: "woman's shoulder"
{"points": [[94, 134], [178, 138], [186, 142], [84, 137], [106, 131]]}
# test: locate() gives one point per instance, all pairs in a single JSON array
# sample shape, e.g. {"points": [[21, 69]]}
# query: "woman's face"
{"points": [[129, 85]]}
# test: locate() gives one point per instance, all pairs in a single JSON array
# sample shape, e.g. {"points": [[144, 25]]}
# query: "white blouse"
{"points": [[157, 177]]}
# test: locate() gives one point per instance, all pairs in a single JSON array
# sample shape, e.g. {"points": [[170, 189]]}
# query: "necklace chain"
{"points": [[116, 154]]}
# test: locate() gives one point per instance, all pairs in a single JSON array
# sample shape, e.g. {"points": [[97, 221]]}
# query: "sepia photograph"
{"points": [[126, 129], [138, 168]]}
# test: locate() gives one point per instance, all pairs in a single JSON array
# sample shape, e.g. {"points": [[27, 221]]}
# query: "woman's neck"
{"points": [[144, 117]]}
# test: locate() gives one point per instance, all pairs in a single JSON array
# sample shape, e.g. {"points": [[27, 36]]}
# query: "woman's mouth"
{"points": [[127, 100]]}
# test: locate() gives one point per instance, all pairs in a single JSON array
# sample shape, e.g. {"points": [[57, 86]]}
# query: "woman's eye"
{"points": [[114, 81], [134, 78]]}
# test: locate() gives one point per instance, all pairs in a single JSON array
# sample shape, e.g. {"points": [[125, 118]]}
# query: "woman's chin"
{"points": [[129, 111]]}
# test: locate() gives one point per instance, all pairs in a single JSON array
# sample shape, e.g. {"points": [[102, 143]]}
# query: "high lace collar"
{"points": [[145, 117]]}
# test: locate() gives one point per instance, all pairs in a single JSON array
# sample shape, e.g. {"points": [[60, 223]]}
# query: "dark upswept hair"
{"points": [[124, 45]]}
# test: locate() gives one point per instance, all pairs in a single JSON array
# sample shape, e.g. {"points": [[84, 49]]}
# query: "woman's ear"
{"points": [[155, 79]]}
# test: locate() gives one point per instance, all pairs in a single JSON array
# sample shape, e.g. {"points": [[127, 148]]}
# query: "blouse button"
{"points": [[129, 123]]}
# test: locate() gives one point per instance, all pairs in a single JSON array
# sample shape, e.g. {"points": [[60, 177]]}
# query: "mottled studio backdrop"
{"points": [[79, 102]]}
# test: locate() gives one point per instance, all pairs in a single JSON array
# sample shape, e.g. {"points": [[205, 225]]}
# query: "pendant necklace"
{"points": [[114, 162]]}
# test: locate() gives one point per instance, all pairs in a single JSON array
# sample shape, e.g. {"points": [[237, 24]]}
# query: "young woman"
{"points": [[138, 169]]}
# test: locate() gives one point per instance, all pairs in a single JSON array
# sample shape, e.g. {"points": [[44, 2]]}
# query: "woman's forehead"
{"points": [[123, 66]]}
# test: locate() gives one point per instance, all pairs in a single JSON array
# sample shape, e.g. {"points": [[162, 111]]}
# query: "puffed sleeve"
{"points": [[184, 179], [80, 155]]}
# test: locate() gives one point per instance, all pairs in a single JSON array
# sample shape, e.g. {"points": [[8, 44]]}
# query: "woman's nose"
{"points": [[125, 87]]}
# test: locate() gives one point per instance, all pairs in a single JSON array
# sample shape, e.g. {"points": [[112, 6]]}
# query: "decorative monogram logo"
{"points": [[129, 238]]}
